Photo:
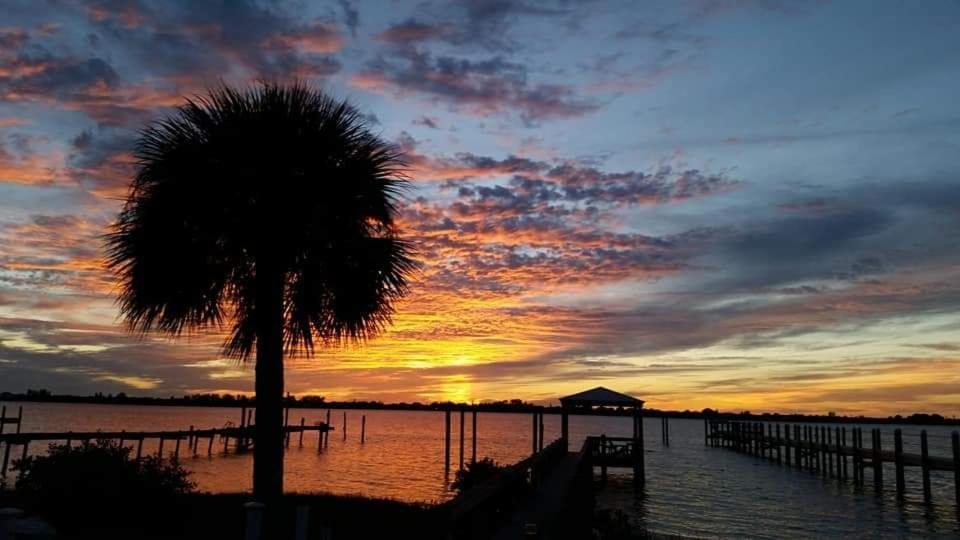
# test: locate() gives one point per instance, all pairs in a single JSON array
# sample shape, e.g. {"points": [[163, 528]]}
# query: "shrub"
{"points": [[476, 473], [98, 484]]}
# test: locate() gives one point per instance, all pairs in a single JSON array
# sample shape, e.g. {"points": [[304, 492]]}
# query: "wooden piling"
{"points": [[540, 433], [446, 446], [925, 466], [877, 462], [462, 412], [243, 425], [363, 429], [898, 461], [838, 450], [139, 448], [843, 446], [786, 443], [209, 446], [6, 459], [303, 422], [473, 436], [955, 439], [779, 455], [160, 449], [603, 458], [533, 434], [798, 448], [344, 425], [23, 455], [286, 423], [176, 450], [827, 452], [326, 437]]}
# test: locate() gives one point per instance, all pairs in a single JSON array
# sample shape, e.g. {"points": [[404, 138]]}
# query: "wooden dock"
{"points": [[825, 451], [239, 437]]}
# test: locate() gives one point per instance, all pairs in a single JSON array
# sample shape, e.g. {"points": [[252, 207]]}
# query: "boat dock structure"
{"points": [[237, 437], [829, 452]]}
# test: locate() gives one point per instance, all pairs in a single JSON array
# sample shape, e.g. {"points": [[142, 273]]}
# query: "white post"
{"points": [[303, 521], [254, 512]]}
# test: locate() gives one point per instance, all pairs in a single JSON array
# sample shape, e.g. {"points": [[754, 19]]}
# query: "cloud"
{"points": [[480, 87], [351, 17], [413, 31], [319, 38]]}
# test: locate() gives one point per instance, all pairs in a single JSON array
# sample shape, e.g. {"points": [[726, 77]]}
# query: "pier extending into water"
{"points": [[238, 437], [825, 451]]}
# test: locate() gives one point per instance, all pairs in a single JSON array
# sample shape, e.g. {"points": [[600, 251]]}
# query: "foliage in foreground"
{"points": [[97, 483], [476, 473]]}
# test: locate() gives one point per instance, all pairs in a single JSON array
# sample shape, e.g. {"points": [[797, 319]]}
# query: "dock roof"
{"points": [[601, 396]]}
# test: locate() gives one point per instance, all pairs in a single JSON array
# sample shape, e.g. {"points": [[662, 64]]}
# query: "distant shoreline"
{"points": [[512, 406]]}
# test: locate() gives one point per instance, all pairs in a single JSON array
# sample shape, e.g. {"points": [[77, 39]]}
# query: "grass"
{"points": [[214, 516]]}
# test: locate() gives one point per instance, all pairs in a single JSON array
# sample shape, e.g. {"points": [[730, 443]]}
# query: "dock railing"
{"points": [[479, 511], [827, 451]]}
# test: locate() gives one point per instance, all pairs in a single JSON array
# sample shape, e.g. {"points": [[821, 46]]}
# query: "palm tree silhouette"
{"points": [[269, 211]]}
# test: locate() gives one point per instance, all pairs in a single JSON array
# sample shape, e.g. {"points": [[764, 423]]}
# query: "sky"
{"points": [[736, 204]]}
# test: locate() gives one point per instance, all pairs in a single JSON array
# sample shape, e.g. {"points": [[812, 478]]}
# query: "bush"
{"points": [[98, 485], [476, 473]]}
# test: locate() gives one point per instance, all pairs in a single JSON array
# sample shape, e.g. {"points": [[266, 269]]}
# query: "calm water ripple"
{"points": [[691, 489]]}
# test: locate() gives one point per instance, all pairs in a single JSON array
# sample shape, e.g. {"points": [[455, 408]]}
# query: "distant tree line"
{"points": [[511, 405]]}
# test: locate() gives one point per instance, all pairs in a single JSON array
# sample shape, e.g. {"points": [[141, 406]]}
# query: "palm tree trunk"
{"points": [[268, 430]]}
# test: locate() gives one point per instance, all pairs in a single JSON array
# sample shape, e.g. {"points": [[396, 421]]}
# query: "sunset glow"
{"points": [[601, 194]]}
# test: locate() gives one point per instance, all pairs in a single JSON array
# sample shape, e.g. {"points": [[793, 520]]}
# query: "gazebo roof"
{"points": [[600, 396]]}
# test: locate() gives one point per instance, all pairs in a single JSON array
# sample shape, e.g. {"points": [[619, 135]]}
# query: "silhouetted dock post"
{"points": [[925, 466], [176, 450], [160, 449], [877, 461], [243, 431], [665, 430], [247, 434], [473, 435], [955, 439], [771, 451], [779, 441], [303, 422], [786, 443], [209, 445], [860, 464], [533, 434], [798, 446], [821, 457], [839, 452], [898, 461], [603, 458], [462, 428], [254, 521], [286, 424], [639, 465], [842, 449], [326, 438], [6, 459], [363, 429], [828, 450], [344, 425], [446, 446], [565, 429], [540, 432], [139, 448]]}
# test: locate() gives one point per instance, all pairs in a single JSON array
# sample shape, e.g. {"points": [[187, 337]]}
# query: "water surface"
{"points": [[691, 489]]}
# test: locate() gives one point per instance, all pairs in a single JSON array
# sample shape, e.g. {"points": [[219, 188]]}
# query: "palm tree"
{"points": [[269, 212]]}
